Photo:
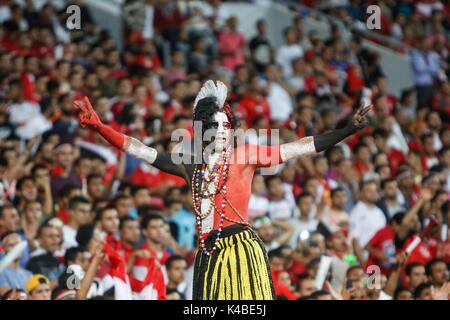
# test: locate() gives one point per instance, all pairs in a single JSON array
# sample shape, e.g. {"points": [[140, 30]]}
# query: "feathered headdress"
{"points": [[212, 89]]}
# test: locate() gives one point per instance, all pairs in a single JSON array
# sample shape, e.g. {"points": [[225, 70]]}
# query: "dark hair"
{"points": [[352, 268], [85, 234], [397, 218], [41, 229], [66, 190], [22, 180], [137, 188], [93, 176], [71, 254], [398, 291], [384, 182], [101, 211], [269, 179], [75, 201], [336, 190], [124, 220], [302, 195], [316, 294], [431, 263], [411, 266], [172, 259], [420, 288], [147, 209], [149, 217], [275, 253], [4, 207], [207, 107]]}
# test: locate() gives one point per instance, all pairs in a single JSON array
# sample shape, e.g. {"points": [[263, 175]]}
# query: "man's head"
{"points": [[152, 226], [258, 185], [38, 287], [415, 274], [176, 269], [26, 188], [141, 195], [80, 210], [107, 219], [276, 259], [264, 229], [215, 117], [311, 185], [33, 212], [261, 27], [290, 36], [389, 187], [49, 238], [76, 255], [306, 286], [437, 272], [95, 186], [123, 204], [402, 294], [423, 291], [321, 295], [362, 153], [369, 192], [305, 202], [321, 166], [129, 230], [337, 241], [9, 219], [64, 155], [338, 198], [275, 187], [66, 193]]}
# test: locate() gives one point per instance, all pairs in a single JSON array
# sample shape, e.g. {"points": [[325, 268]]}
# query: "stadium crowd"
{"points": [[86, 211]]}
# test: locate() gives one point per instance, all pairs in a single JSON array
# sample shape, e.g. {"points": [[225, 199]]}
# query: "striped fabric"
{"points": [[238, 270]]}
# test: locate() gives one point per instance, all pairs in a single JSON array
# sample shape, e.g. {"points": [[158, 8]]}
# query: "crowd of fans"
{"points": [[64, 191]]}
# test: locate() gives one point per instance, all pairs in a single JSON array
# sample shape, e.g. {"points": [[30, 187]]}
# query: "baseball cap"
{"points": [[36, 280]]}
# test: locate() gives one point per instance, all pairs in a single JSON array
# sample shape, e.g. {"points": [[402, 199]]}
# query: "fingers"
{"points": [[365, 110]]}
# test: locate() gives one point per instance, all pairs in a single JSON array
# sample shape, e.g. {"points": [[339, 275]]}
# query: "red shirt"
{"points": [[253, 106], [383, 241]]}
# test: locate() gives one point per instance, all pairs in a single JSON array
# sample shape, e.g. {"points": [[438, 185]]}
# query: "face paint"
{"points": [[222, 127]]}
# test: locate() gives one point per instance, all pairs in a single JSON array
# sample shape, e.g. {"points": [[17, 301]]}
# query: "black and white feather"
{"points": [[212, 89]]}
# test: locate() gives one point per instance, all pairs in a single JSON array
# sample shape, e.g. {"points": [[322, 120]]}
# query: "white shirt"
{"points": [[70, 235], [27, 115], [280, 102], [257, 206], [365, 221], [299, 227], [281, 210], [285, 55]]}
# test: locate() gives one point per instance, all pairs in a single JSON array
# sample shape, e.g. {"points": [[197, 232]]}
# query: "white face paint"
{"points": [[223, 132]]}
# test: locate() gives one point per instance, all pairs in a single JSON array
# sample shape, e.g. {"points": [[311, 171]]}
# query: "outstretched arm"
{"points": [[315, 144], [130, 145]]}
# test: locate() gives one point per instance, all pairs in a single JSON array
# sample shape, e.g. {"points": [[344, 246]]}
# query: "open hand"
{"points": [[87, 115]]}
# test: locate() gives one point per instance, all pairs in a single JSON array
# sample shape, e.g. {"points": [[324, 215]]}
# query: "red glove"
{"points": [[88, 117]]}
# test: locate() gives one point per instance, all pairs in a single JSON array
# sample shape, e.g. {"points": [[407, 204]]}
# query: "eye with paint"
{"points": [[215, 125]]}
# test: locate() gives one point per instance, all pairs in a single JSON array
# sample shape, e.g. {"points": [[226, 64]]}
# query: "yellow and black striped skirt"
{"points": [[237, 270]]}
